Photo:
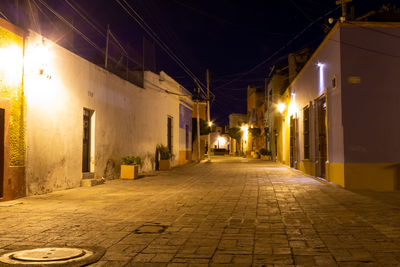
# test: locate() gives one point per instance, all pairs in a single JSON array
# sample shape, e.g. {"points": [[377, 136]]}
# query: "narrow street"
{"points": [[230, 212]]}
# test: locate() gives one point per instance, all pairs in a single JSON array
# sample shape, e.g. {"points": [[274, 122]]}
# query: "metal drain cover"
{"points": [[48, 254], [54, 256], [150, 229]]}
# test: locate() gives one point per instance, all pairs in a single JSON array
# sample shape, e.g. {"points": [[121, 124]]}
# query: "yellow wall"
{"points": [[282, 125], [335, 173], [372, 176], [307, 167], [11, 87]]}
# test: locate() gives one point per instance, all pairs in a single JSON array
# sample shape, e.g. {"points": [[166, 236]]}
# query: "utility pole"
{"points": [[344, 9], [198, 131], [266, 108], [107, 40], [208, 114]]}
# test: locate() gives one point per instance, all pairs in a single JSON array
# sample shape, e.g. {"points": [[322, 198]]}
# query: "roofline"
{"points": [[333, 30], [387, 24], [12, 28]]}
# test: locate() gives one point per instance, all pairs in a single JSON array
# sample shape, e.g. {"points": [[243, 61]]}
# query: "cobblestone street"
{"points": [[226, 213]]}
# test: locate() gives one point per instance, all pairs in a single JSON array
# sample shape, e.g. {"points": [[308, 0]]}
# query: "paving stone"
{"points": [[232, 212]]}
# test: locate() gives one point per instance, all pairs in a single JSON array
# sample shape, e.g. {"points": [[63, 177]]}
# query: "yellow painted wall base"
{"points": [[185, 157], [361, 176], [372, 176], [307, 167], [335, 173]]}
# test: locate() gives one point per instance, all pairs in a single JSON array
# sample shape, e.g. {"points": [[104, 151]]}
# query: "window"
{"points": [[306, 131]]}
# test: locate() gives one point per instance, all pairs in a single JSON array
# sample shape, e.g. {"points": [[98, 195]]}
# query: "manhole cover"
{"points": [[150, 229], [48, 254], [55, 256]]}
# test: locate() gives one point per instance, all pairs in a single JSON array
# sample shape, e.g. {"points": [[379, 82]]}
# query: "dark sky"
{"points": [[228, 37]]}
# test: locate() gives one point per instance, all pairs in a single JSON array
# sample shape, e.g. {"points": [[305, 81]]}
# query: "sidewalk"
{"points": [[230, 212]]}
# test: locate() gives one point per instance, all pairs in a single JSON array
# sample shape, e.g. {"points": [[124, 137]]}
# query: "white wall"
{"points": [[128, 120], [307, 87]]}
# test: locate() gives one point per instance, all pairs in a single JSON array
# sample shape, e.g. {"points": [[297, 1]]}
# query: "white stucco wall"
{"points": [[128, 120], [312, 83]]}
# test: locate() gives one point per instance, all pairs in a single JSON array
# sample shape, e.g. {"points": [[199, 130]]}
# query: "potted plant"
{"points": [[130, 167], [265, 154], [165, 158]]}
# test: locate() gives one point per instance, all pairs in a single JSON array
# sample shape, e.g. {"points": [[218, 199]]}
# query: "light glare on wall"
{"points": [[38, 59], [281, 107], [11, 64], [221, 141]]}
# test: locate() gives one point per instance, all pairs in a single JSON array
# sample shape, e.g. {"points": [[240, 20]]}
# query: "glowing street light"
{"points": [[281, 107], [210, 123]]}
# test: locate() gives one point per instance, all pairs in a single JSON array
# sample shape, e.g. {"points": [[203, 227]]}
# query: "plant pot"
{"points": [[265, 157], [129, 171], [164, 164]]}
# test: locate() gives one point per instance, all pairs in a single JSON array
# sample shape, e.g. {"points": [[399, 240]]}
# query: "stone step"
{"points": [[92, 182]]}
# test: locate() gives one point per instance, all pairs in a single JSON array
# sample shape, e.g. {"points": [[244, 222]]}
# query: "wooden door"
{"points": [[322, 144]]}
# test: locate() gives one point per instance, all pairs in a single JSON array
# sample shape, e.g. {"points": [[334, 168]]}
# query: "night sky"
{"points": [[228, 37]]}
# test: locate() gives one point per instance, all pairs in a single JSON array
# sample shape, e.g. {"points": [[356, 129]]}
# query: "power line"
{"points": [[72, 26], [155, 37], [152, 34], [374, 30], [100, 32], [4, 16], [367, 49], [279, 50], [86, 19]]}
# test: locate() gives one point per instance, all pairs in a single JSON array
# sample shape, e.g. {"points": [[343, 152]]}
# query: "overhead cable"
{"points": [[279, 50], [155, 37]]}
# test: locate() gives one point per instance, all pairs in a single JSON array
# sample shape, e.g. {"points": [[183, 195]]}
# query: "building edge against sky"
{"points": [[64, 118], [341, 109]]}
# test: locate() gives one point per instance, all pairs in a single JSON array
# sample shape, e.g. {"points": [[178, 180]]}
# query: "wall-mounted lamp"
{"points": [[321, 67], [38, 58], [281, 107]]}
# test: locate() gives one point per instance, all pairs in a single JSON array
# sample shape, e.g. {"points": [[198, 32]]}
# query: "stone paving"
{"points": [[232, 212]]}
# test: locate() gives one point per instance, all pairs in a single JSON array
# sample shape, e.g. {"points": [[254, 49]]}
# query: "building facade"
{"points": [[65, 119], [340, 111]]}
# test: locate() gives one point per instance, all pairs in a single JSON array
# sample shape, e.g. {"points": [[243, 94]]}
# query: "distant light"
{"points": [[281, 107], [244, 128], [221, 140], [210, 123]]}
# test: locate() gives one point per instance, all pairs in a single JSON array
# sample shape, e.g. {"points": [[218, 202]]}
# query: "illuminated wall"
{"points": [[128, 120], [356, 70], [11, 67]]}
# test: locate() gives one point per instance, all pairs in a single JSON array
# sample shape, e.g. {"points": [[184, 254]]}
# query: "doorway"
{"points": [[321, 137], [87, 139], [169, 134], [293, 147]]}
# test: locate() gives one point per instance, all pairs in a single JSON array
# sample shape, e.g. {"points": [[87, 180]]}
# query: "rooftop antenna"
{"points": [[344, 9]]}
